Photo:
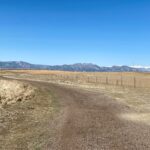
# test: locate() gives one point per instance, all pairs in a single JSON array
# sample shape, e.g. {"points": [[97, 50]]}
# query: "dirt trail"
{"points": [[92, 123], [89, 121]]}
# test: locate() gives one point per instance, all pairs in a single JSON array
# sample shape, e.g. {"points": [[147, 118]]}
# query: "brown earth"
{"points": [[65, 118], [12, 91]]}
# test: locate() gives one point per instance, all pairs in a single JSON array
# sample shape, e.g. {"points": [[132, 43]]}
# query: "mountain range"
{"points": [[83, 67]]}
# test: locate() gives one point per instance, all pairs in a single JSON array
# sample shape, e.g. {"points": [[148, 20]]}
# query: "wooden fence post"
{"points": [[96, 80], [134, 82], [117, 82], [76, 78], [106, 80], [121, 81]]}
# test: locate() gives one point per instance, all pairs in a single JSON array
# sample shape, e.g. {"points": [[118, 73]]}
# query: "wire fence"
{"points": [[123, 81], [135, 80]]}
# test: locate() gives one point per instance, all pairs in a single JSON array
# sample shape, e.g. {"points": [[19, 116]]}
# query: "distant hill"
{"points": [[83, 67]]}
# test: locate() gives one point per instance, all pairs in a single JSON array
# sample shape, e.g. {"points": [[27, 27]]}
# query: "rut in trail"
{"points": [[91, 123]]}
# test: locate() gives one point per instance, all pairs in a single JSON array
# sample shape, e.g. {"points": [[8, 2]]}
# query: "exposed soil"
{"points": [[12, 91], [65, 118]]}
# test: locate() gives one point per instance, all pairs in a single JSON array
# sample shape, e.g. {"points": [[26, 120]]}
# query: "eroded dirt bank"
{"points": [[12, 91], [64, 118]]}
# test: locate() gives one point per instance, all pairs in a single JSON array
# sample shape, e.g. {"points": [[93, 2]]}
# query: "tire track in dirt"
{"points": [[92, 123]]}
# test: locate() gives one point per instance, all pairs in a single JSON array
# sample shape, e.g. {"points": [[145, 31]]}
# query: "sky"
{"points": [[103, 32]]}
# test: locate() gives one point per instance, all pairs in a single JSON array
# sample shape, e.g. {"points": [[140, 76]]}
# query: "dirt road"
{"points": [[86, 120]]}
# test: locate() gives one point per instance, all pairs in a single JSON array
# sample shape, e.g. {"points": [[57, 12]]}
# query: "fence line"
{"points": [[123, 81]]}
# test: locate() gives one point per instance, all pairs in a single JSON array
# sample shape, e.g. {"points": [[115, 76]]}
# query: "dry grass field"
{"points": [[77, 110], [129, 87], [132, 88], [124, 79]]}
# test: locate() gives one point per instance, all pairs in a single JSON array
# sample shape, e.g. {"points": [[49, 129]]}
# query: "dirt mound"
{"points": [[13, 91]]}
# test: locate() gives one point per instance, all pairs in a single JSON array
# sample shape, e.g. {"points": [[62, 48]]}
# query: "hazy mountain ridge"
{"points": [[87, 67]]}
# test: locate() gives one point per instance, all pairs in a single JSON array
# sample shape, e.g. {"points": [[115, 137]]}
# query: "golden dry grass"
{"points": [[126, 79], [117, 85]]}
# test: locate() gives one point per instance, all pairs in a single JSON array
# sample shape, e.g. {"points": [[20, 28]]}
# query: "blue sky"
{"points": [[105, 32]]}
